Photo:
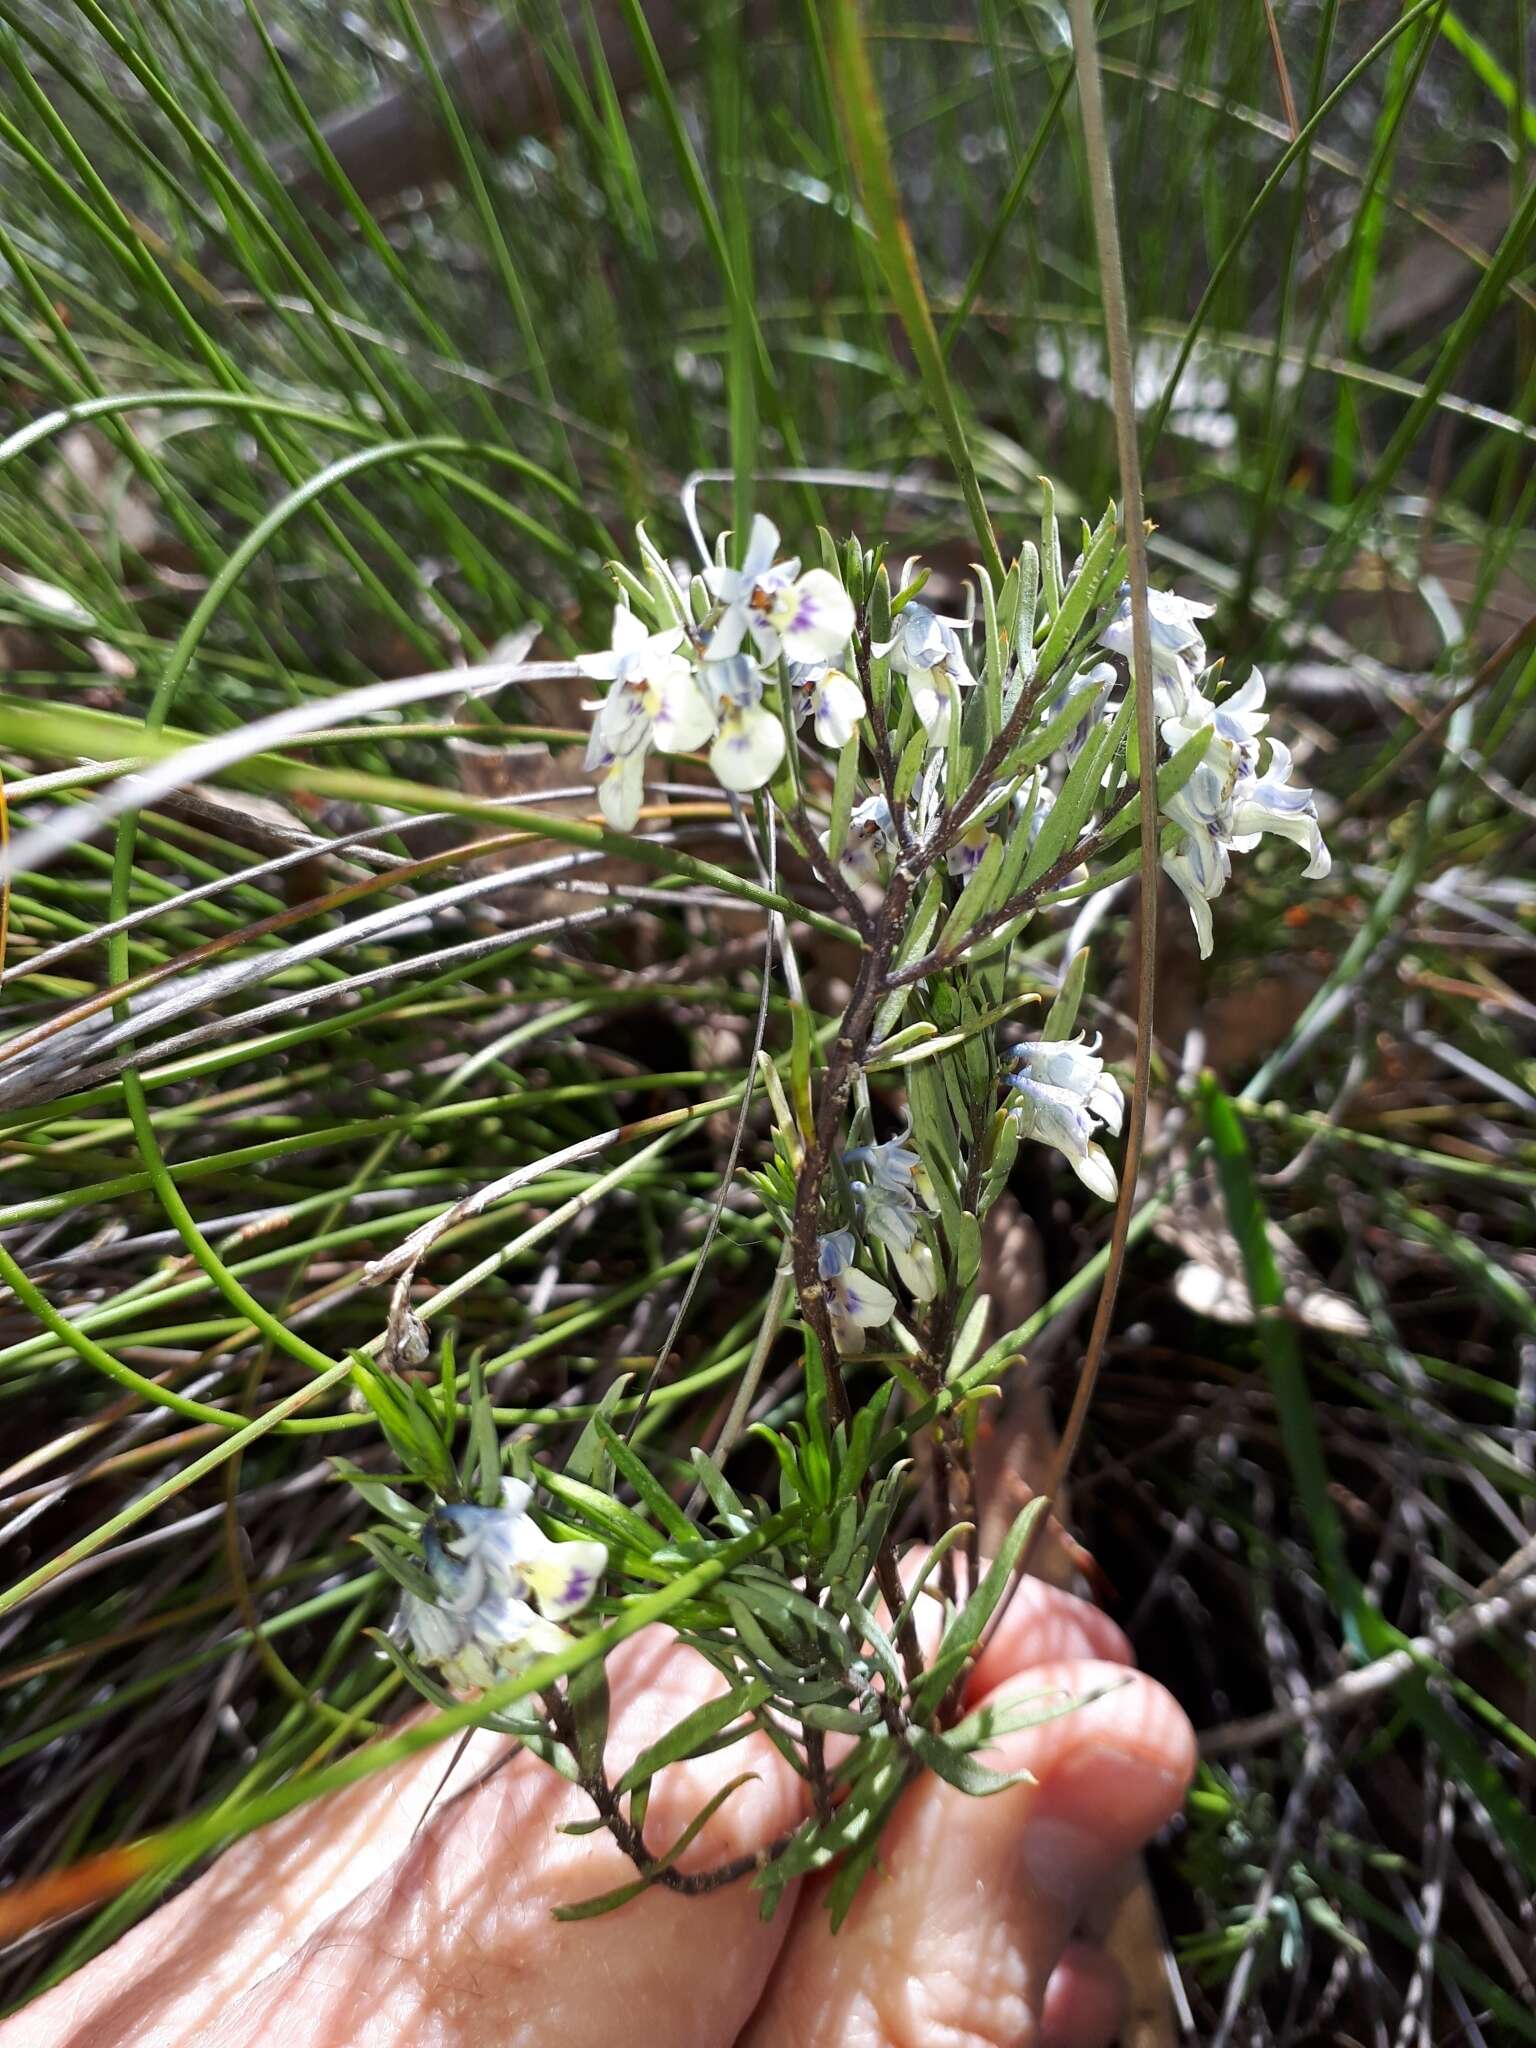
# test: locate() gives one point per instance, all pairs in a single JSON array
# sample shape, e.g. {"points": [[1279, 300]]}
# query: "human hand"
{"points": [[389, 1916]]}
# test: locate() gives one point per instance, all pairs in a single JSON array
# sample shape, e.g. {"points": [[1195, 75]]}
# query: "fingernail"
{"points": [[1115, 1798]]}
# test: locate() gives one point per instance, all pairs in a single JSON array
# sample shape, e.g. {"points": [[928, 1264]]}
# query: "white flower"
{"points": [[918, 1267], [1269, 803], [856, 1301], [892, 1219], [1064, 1097], [1226, 805], [806, 618], [1238, 720], [621, 783], [749, 749], [926, 650], [834, 701], [888, 1214], [734, 679], [502, 1588], [1178, 649], [750, 742], [655, 699], [871, 835]]}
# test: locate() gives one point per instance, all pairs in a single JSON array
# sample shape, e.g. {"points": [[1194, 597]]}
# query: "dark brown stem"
{"points": [[952, 826], [848, 1050], [938, 1340], [826, 872], [631, 1840], [938, 961], [816, 1773]]}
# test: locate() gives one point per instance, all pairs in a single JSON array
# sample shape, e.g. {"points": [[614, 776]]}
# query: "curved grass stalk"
{"points": [[242, 1434], [869, 147], [1090, 94]]}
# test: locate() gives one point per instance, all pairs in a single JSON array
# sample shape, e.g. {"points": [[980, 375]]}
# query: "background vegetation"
{"points": [[297, 398]]}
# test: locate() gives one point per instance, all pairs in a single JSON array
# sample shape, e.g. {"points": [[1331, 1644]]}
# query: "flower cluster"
{"points": [[1226, 805], [681, 689], [893, 1192], [1062, 1097], [501, 1589]]}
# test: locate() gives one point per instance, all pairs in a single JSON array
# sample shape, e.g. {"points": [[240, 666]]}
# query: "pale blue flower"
{"points": [[891, 1218], [856, 1301], [926, 650], [892, 1188], [502, 1588], [1269, 803], [1178, 648], [1227, 805], [895, 1165], [734, 679], [1236, 724]]}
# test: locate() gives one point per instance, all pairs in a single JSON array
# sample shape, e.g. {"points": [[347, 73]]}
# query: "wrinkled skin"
{"points": [[351, 1924]]}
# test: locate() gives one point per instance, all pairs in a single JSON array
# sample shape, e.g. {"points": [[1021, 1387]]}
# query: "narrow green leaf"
{"points": [[587, 1696], [1079, 600], [844, 790], [977, 897], [618, 1525], [964, 1631], [695, 1732], [1171, 778], [1050, 549], [1039, 745], [1080, 793], [959, 1768], [653, 1495], [1063, 1012]]}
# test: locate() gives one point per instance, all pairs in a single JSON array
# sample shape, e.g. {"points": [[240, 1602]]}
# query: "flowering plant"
{"points": [[938, 794]]}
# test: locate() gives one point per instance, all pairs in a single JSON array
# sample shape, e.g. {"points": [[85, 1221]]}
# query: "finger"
{"points": [[1084, 2000], [1042, 1625], [168, 1978], [957, 1931], [1039, 1624], [456, 1938]]}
